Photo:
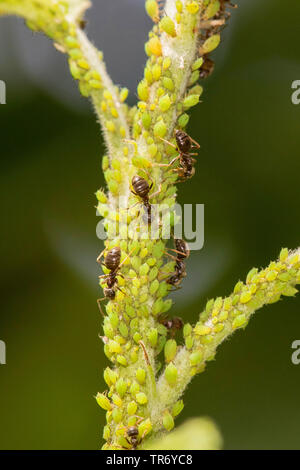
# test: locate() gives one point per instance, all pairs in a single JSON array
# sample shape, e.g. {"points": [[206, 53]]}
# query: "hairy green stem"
{"points": [[223, 316]]}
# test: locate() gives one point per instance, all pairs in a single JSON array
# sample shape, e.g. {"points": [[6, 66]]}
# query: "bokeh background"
{"points": [[247, 177]]}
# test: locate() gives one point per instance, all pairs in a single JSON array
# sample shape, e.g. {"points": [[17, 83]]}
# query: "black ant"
{"points": [[184, 146], [176, 278], [132, 436], [172, 324], [133, 439], [141, 189], [207, 67], [111, 262], [182, 250]]}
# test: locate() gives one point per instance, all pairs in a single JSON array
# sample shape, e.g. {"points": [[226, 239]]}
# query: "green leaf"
{"points": [[195, 434]]}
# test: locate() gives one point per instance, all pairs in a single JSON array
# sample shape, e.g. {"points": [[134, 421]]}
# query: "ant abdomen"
{"points": [[174, 280], [109, 293], [113, 258], [183, 141], [140, 186]]}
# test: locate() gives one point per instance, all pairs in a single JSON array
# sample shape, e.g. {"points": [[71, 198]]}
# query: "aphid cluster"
{"points": [[182, 253]]}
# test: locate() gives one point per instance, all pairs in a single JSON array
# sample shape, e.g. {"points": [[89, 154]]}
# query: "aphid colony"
{"points": [[141, 188], [112, 263], [212, 21], [184, 145]]}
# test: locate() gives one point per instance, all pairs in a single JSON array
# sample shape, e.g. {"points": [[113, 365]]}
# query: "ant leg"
{"points": [[174, 160], [178, 171], [139, 420], [131, 207], [101, 263], [121, 291], [171, 256], [167, 142], [176, 288], [196, 144], [162, 276], [99, 305], [208, 24], [157, 192], [167, 164], [126, 258], [103, 275], [179, 252], [125, 278], [100, 256]]}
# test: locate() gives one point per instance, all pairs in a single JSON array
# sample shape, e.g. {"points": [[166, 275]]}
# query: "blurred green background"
{"points": [[247, 177]]}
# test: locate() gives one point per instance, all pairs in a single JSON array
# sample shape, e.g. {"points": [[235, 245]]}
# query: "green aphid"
{"points": [[170, 350], [168, 421], [171, 374]]}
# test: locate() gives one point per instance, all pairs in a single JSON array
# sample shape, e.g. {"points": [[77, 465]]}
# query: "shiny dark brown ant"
{"points": [[141, 189], [177, 276], [182, 250], [111, 262], [184, 145], [207, 67], [132, 437], [172, 324]]}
